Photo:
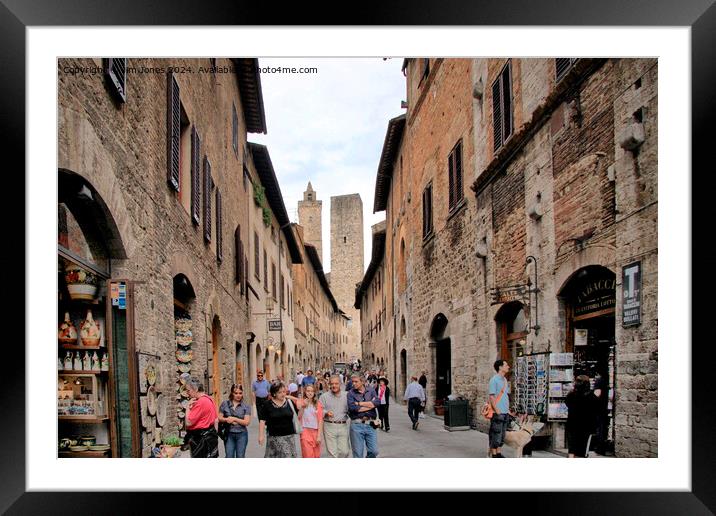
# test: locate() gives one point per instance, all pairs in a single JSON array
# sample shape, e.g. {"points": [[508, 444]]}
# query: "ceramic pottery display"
{"points": [[88, 440], [152, 401], [151, 375], [184, 356], [183, 333], [183, 368], [89, 331], [95, 361], [161, 410], [60, 364], [67, 333], [77, 362], [86, 362], [68, 360], [104, 364], [81, 284]]}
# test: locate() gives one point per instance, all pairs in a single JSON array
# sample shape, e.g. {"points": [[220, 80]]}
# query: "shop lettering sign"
{"points": [[274, 324], [501, 295], [596, 295], [631, 286]]}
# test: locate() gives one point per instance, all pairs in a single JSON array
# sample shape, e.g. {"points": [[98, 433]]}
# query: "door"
{"points": [[443, 357]]}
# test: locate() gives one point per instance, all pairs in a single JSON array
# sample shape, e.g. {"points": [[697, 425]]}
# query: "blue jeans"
{"points": [[236, 445], [363, 436]]}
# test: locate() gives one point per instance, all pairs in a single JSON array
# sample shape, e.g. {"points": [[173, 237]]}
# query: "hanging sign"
{"points": [[631, 286], [500, 295], [274, 324]]}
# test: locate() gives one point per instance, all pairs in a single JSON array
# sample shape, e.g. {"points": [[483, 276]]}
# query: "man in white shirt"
{"points": [[336, 428], [299, 379], [415, 395]]}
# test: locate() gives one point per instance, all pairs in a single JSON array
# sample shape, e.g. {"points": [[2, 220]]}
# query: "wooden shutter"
{"points": [[451, 180], [173, 131], [238, 258], [273, 280], [562, 65], [208, 185], [266, 284], [234, 129], [458, 173], [427, 210], [507, 101], [257, 259], [246, 276], [219, 239], [115, 70], [195, 175], [497, 114]]}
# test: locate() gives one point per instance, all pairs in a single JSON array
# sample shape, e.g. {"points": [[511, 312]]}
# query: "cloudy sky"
{"points": [[329, 128]]}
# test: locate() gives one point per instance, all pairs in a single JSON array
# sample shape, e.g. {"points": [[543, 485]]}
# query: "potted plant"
{"points": [[171, 446], [439, 407]]}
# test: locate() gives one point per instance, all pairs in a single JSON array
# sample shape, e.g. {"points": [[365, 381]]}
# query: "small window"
{"points": [[266, 285], [455, 176], [208, 188], [428, 211], [246, 178], [219, 228], [502, 106], [115, 71], [563, 65], [344, 240], [234, 130], [257, 260]]}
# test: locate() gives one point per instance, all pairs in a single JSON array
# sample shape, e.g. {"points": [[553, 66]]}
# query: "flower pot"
{"points": [[81, 284], [440, 410], [170, 451], [89, 331]]}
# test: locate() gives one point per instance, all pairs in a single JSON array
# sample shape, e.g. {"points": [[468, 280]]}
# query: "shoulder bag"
{"points": [[487, 411], [296, 423]]}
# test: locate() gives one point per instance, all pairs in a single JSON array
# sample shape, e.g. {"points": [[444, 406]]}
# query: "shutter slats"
{"points": [[116, 72], [195, 175], [497, 114], [238, 259], [506, 102], [451, 180], [458, 173], [562, 65], [173, 129], [208, 184], [219, 233]]}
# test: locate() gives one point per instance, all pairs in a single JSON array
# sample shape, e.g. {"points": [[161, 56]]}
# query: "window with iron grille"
{"points": [[428, 210], [173, 132], [219, 232], [208, 188], [257, 262], [115, 71], [455, 176], [562, 66], [234, 129], [195, 175], [502, 122]]}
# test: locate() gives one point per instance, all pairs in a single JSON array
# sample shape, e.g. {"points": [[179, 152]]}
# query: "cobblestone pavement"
{"points": [[429, 440]]}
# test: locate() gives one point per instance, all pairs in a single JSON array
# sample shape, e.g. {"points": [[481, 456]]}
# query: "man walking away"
{"points": [[260, 388], [362, 403], [423, 381], [336, 431], [415, 395], [499, 390]]}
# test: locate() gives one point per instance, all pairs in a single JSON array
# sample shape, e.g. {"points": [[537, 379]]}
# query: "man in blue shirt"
{"points": [[309, 379], [362, 403], [498, 391], [261, 387]]}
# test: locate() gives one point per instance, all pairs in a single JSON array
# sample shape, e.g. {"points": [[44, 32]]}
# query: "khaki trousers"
{"points": [[337, 439]]}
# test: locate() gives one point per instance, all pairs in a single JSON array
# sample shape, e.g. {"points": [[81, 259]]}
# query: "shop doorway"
{"points": [[443, 357], [512, 325], [215, 357], [239, 365], [403, 370], [589, 301]]}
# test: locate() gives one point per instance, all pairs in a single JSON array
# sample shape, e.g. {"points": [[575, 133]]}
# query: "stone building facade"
{"points": [[310, 212], [520, 196], [347, 261], [160, 156]]}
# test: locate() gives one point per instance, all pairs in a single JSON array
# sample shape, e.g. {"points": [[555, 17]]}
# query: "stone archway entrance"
{"points": [[215, 360], [443, 357]]}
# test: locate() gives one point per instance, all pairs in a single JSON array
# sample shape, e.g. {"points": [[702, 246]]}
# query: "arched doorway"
{"points": [[215, 359], [239, 379], [403, 371], [512, 328], [443, 357], [588, 299], [258, 363], [267, 366]]}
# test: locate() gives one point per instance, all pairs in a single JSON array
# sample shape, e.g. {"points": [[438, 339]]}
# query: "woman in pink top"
{"points": [[310, 414]]}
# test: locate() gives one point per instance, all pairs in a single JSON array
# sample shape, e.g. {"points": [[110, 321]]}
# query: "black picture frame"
{"points": [[17, 15]]}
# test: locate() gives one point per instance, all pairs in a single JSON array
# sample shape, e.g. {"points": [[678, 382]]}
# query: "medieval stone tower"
{"points": [[347, 260], [309, 216]]}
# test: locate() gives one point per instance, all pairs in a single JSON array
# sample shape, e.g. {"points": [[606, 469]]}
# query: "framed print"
{"points": [[334, 214]]}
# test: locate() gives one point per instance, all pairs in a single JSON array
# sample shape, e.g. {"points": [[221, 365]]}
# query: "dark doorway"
{"points": [[442, 369]]}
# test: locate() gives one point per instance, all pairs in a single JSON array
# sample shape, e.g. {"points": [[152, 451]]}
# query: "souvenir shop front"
{"points": [[96, 377]]}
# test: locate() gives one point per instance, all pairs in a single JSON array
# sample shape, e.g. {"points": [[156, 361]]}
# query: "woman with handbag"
{"points": [[583, 408], [278, 416], [234, 419], [201, 420], [384, 397]]}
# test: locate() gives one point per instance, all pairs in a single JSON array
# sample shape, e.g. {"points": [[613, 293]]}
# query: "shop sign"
{"points": [[274, 324], [631, 286], [501, 295], [581, 337], [596, 295], [122, 301]]}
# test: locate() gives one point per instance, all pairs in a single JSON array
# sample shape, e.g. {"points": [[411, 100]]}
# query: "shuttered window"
{"points": [[208, 187], [238, 259], [266, 284], [195, 175], [219, 228], [234, 130], [455, 175], [257, 263], [283, 293], [428, 211], [173, 132], [562, 66], [502, 106], [273, 281], [115, 71], [246, 277]]}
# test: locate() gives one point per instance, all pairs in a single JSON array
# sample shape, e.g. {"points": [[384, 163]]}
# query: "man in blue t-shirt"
{"points": [[309, 379], [260, 386], [499, 395]]}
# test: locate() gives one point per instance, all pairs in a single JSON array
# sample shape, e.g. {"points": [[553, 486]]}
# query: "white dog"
{"points": [[519, 438]]}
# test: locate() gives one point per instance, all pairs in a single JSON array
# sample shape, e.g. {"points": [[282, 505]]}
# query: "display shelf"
{"points": [[73, 347], [83, 454], [84, 419], [73, 372]]}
